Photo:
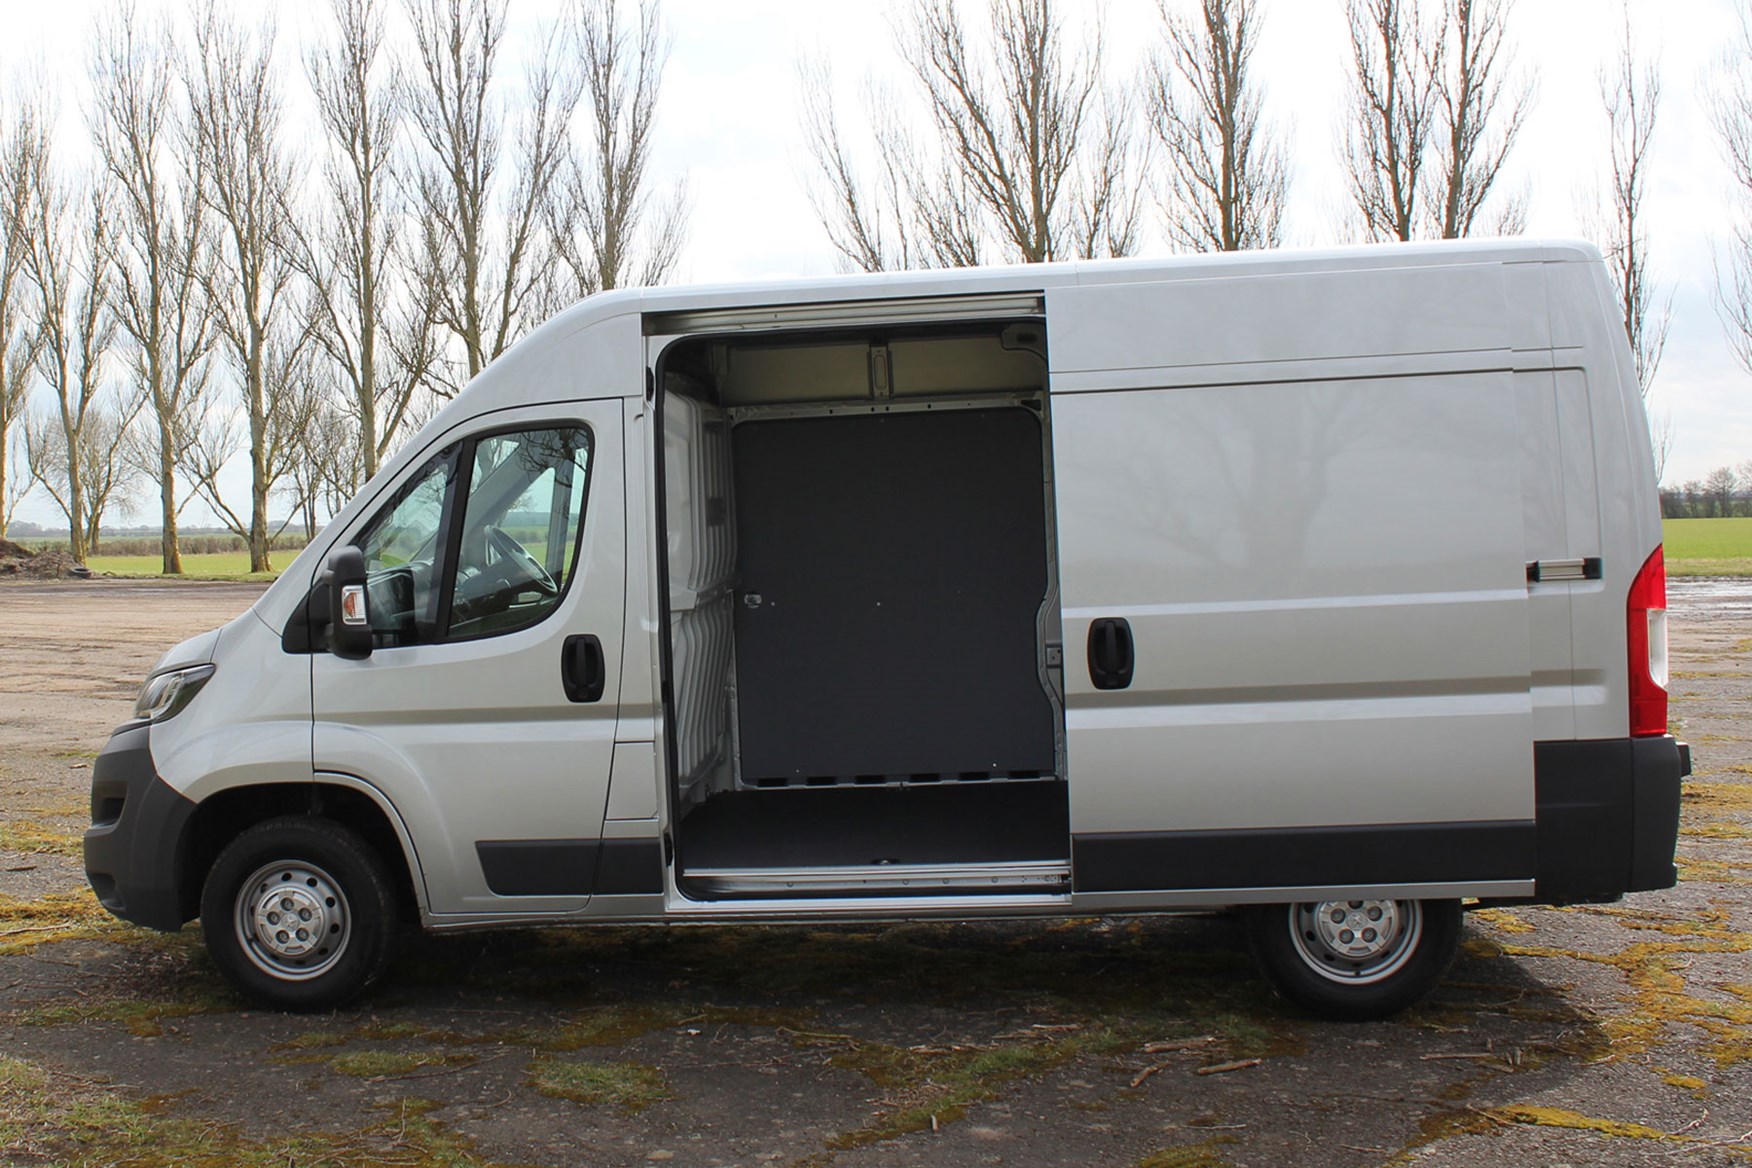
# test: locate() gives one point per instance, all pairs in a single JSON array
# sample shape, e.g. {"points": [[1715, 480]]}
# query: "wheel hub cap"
{"points": [[292, 919], [1356, 942], [1358, 929]]}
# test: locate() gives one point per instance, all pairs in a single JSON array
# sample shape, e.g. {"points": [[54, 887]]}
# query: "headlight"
{"points": [[165, 694]]}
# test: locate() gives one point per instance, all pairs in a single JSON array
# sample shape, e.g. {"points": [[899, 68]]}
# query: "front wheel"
{"points": [[299, 913], [1355, 960]]}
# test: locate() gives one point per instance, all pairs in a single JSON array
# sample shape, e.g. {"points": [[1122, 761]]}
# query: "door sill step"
{"points": [[891, 879]]}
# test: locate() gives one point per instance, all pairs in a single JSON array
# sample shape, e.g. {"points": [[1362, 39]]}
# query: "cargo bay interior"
{"points": [[863, 668]]}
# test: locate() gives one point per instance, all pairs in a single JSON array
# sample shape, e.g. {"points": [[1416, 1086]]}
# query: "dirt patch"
{"points": [[49, 565], [1605, 1035]]}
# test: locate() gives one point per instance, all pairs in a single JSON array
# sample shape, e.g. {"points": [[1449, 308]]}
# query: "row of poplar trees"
{"points": [[221, 280]]}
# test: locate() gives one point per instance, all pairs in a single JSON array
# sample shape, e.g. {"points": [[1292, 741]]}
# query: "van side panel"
{"points": [[1325, 582]]}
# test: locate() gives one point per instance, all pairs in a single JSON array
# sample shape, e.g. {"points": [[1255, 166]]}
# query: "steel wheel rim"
{"points": [[1356, 942], [292, 920]]}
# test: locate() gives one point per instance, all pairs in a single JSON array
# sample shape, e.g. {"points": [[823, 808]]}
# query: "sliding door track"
{"points": [[883, 879]]}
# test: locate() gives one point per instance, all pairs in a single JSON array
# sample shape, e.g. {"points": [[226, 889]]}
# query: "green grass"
{"points": [[1708, 547], [220, 566]]}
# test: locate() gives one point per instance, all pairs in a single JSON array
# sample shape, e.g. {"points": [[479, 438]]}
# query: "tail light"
{"points": [[1646, 615]]}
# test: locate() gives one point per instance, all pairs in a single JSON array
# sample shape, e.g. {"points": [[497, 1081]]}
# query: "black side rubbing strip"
{"points": [[1297, 857], [538, 867]]}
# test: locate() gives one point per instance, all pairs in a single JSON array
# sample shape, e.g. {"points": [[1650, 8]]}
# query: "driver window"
{"points": [[520, 525], [402, 548]]}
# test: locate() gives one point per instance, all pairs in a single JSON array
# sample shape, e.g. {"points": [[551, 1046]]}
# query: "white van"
{"points": [[1327, 584]]}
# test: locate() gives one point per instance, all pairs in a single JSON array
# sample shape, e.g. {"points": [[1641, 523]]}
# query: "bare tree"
{"points": [[164, 256], [485, 249], [97, 459], [69, 241], [1396, 59], [1730, 109], [1661, 442], [373, 321], [290, 365], [1026, 156], [1228, 172], [19, 341], [248, 185], [1480, 108], [17, 482], [1631, 93], [607, 231]]}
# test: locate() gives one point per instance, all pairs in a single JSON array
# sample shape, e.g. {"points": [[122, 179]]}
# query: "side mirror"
{"points": [[349, 633]]}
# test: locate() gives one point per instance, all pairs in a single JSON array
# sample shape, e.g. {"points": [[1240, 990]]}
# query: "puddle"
{"points": [[1710, 598]]}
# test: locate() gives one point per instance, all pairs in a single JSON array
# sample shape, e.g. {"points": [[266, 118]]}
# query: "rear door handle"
{"points": [[1110, 653], [583, 671]]}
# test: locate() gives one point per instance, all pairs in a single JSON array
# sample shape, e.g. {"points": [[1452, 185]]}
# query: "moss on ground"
{"points": [[388, 1064], [61, 916], [1206, 1153], [75, 1123], [632, 1087]]}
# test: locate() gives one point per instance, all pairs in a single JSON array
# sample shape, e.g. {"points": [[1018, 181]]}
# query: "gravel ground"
{"points": [[1609, 1035]]}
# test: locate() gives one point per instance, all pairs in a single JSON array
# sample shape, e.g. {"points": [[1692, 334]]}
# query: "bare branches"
{"points": [[1435, 111], [1025, 156], [164, 257], [69, 249], [1730, 111], [1631, 93], [248, 184], [868, 226], [606, 229], [1228, 173], [20, 342], [372, 318], [1011, 133], [1396, 59], [1480, 108], [485, 248]]}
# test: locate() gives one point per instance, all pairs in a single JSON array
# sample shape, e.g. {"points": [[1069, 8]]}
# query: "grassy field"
{"points": [[1708, 547], [223, 566]]}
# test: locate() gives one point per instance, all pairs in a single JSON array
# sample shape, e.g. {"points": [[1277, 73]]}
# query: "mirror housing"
{"points": [[349, 617]]}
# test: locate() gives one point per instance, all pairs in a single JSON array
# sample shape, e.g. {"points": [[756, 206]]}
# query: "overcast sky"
{"points": [[728, 122]]}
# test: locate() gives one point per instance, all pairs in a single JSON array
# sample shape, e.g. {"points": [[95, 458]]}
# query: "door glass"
{"points": [[520, 529], [402, 548]]}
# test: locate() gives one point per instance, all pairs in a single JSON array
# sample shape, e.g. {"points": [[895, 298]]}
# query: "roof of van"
{"points": [[509, 379], [1039, 277]]}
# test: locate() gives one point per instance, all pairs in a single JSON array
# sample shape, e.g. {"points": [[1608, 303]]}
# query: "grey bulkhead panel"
{"points": [[1305, 493]]}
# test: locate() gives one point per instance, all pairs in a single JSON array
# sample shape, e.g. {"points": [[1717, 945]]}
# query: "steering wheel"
{"points": [[512, 553]]}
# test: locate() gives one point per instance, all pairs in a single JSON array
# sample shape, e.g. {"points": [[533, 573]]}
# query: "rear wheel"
{"points": [[1355, 960], [299, 913]]}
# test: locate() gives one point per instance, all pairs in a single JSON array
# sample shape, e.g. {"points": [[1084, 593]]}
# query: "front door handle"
{"points": [[583, 670], [1110, 653]]}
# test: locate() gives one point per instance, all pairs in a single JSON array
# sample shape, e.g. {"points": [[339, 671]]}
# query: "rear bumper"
{"points": [[133, 847], [1608, 816]]}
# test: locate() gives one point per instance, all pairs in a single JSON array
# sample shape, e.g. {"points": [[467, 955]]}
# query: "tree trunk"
{"points": [[167, 501], [258, 455], [76, 536]]}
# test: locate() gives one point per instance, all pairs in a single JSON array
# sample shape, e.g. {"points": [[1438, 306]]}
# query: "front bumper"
{"points": [[133, 849]]}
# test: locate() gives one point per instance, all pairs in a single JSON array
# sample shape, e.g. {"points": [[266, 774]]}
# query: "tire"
{"points": [[1355, 960], [335, 895]]}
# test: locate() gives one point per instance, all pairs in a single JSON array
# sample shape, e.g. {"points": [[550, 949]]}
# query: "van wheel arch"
{"points": [[224, 816]]}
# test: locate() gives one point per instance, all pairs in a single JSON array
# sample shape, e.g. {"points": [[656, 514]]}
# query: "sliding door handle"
{"points": [[1110, 653]]}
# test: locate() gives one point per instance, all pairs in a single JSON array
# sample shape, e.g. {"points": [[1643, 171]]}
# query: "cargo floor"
{"points": [[965, 823]]}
